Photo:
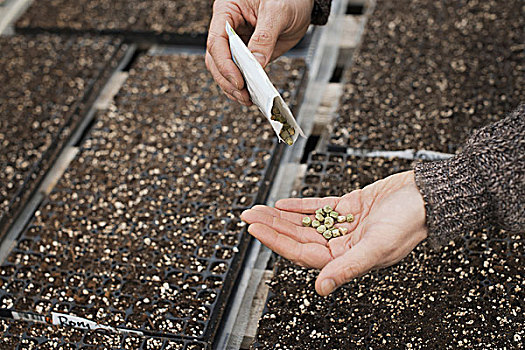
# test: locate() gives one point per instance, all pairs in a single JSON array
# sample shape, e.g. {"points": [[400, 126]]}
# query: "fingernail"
{"points": [[327, 286], [260, 58], [232, 80], [238, 96]]}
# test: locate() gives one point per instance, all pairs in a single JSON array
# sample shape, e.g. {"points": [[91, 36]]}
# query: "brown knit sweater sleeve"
{"points": [[321, 11], [483, 185]]}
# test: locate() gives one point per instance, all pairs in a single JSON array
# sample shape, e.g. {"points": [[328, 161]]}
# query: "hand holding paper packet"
{"points": [[262, 91]]}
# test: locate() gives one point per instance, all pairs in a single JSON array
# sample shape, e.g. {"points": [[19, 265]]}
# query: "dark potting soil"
{"points": [[469, 294], [144, 230], [48, 83], [35, 336], [164, 20], [429, 72]]}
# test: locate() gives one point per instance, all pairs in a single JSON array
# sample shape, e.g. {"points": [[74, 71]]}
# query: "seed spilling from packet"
{"points": [[325, 219], [287, 131]]}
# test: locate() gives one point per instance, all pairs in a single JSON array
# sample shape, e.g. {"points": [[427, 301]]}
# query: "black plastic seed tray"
{"points": [[162, 21], [175, 22], [19, 335], [429, 72], [48, 84], [143, 230], [467, 295]]}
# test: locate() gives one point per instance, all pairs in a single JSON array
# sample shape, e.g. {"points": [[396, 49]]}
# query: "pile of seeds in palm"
{"points": [[325, 220]]}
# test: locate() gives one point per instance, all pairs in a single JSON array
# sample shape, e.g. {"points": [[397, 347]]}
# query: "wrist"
{"points": [[420, 216]]}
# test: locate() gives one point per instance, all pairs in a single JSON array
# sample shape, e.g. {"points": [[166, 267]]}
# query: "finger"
{"points": [[271, 22], [306, 254], [285, 227], [355, 262], [248, 104], [229, 96], [306, 205], [240, 96], [350, 203], [340, 245], [294, 218], [218, 45]]}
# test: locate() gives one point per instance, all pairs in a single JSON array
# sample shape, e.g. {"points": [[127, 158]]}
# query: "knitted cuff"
{"points": [[320, 12], [455, 198]]}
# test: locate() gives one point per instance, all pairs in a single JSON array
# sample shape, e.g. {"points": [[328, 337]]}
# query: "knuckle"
{"points": [[210, 42], [222, 67], [277, 4], [219, 5], [282, 8], [350, 272], [263, 37]]}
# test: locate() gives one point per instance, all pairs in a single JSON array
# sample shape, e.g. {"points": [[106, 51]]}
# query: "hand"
{"points": [[389, 223], [271, 26]]}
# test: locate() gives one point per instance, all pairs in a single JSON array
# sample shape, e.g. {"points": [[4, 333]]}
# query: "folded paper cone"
{"points": [[262, 91]]}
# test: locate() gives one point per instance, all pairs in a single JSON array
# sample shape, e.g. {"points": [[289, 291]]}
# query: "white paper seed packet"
{"points": [[262, 91]]}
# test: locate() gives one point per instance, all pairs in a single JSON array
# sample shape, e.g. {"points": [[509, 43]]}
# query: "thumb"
{"points": [[357, 261], [267, 30]]}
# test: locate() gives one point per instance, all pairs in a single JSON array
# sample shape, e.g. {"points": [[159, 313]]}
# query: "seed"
{"points": [[321, 229], [277, 116], [334, 214], [336, 233], [319, 217], [319, 211], [329, 222], [316, 224], [307, 221], [291, 131], [289, 141], [327, 234], [341, 219], [343, 230], [327, 209], [349, 218]]}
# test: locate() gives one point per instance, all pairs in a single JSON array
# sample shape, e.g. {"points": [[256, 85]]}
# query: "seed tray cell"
{"points": [[20, 335], [469, 294], [178, 22], [430, 72], [48, 84], [143, 230]]}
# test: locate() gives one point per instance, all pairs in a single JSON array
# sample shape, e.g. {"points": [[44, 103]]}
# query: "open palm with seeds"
{"points": [[389, 221]]}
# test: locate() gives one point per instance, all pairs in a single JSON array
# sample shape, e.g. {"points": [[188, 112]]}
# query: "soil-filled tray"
{"points": [[21, 335], [48, 83], [429, 72], [178, 22], [467, 295], [167, 21], [143, 231]]}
